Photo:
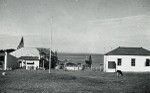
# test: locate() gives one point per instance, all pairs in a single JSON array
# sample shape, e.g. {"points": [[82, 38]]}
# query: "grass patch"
{"points": [[24, 81]]}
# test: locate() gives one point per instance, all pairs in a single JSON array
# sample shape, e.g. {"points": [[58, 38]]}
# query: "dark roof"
{"points": [[29, 58], [129, 51], [71, 64], [6, 50]]}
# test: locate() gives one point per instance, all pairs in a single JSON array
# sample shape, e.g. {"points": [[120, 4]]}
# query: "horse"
{"points": [[119, 73]]}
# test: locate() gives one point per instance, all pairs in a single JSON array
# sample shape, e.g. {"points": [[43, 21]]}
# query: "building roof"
{"points": [[26, 51], [7, 50], [129, 51], [71, 64], [29, 58]]}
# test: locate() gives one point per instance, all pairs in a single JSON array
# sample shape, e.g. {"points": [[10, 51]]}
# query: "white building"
{"points": [[127, 59], [72, 66], [13, 54], [28, 58], [29, 62]]}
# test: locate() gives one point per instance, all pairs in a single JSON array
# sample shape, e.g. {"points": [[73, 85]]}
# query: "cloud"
{"points": [[83, 26], [100, 35]]}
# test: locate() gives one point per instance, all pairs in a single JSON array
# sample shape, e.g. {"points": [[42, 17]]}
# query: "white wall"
{"points": [[126, 63], [36, 64], [71, 68]]}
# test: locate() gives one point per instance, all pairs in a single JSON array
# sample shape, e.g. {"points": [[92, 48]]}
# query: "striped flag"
{"points": [[21, 44]]}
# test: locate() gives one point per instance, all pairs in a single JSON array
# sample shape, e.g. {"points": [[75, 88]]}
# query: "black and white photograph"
{"points": [[74, 46]]}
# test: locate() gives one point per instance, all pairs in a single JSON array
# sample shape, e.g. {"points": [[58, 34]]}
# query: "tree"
{"points": [[44, 59], [89, 62], [54, 59]]}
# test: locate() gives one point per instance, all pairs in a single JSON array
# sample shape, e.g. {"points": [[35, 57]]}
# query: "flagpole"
{"points": [[51, 39]]}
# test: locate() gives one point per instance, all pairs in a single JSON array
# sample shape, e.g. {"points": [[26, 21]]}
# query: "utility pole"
{"points": [[51, 39]]}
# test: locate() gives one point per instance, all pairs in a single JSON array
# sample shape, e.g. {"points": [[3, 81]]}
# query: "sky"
{"points": [[77, 26]]}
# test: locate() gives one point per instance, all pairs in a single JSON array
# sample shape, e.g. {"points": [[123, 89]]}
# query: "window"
{"points": [[111, 65], [147, 62], [119, 62], [132, 62], [31, 63]]}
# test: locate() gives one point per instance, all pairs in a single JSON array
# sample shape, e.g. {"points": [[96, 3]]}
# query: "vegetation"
{"points": [[25, 81], [54, 60], [44, 61], [89, 62]]}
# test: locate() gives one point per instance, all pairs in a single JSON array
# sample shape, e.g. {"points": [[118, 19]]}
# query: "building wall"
{"points": [[12, 62], [35, 65], [126, 63], [71, 68]]}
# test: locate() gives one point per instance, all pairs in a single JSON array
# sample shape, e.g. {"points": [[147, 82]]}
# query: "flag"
{"points": [[21, 44]]}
